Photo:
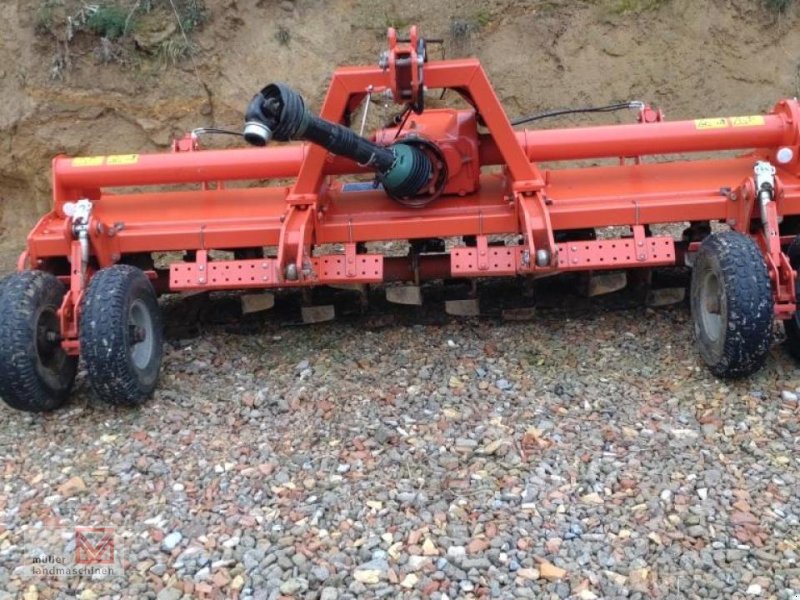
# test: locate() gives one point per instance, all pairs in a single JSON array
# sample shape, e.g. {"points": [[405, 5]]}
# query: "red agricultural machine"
{"points": [[86, 284]]}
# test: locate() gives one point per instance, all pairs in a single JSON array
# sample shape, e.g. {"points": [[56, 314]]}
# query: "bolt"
{"points": [[201, 268], [201, 280], [542, 257], [138, 334]]}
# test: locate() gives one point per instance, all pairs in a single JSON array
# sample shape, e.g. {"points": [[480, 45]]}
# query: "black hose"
{"points": [[278, 112], [571, 111]]}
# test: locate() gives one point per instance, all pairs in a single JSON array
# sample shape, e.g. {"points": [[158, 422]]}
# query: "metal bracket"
{"points": [[81, 214], [535, 221], [765, 192], [782, 275], [640, 242], [350, 259], [483, 252]]}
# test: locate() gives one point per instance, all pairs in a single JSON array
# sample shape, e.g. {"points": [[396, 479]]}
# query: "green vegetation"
{"points": [[460, 29], [778, 6], [46, 15], [108, 21], [638, 6], [635, 6], [483, 18], [125, 31], [283, 35], [174, 50]]}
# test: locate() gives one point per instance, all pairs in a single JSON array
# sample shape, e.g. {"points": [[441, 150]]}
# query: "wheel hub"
{"points": [[711, 306], [48, 337], [140, 325]]}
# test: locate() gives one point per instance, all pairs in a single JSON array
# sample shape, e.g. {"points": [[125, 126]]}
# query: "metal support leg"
{"points": [[535, 220]]}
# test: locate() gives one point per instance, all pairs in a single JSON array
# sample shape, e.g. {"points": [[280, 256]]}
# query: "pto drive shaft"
{"points": [[278, 112]]}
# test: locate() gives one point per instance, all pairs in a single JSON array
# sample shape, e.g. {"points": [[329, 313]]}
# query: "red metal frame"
{"points": [[198, 213]]}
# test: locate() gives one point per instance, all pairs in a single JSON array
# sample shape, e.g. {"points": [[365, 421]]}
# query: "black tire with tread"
{"points": [[746, 304], [792, 326], [105, 336], [29, 380]]}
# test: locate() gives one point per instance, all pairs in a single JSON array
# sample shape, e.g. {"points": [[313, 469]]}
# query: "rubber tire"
{"points": [[792, 326], [3, 281], [25, 382], [746, 304], [105, 336]]}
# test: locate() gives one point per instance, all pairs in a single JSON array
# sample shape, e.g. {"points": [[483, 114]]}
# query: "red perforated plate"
{"points": [[241, 274]]}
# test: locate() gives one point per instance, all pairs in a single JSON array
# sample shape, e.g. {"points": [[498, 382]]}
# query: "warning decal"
{"points": [[752, 121], [720, 123], [99, 161], [88, 161]]}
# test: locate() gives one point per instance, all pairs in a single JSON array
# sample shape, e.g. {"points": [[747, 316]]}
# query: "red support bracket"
{"points": [[201, 267], [405, 68], [535, 221], [294, 245], [350, 259], [781, 273], [69, 312], [641, 247], [740, 203], [483, 252], [23, 262]]}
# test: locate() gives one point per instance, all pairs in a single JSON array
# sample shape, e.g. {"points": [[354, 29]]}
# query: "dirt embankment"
{"points": [[715, 57]]}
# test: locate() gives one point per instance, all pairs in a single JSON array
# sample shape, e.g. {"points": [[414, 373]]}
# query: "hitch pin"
{"points": [[81, 213], [765, 191], [83, 240]]}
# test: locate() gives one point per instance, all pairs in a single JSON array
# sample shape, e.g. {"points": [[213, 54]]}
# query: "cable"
{"points": [[403, 118], [215, 130], [634, 104]]}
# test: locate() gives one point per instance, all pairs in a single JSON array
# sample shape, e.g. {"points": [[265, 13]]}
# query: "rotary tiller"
{"points": [[86, 283]]}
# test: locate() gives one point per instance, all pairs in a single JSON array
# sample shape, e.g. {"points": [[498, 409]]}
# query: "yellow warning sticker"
{"points": [[88, 161], [99, 161], [752, 121], [123, 159], [720, 123]]}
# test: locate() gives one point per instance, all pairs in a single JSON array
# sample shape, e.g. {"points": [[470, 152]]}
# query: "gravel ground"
{"points": [[584, 454]]}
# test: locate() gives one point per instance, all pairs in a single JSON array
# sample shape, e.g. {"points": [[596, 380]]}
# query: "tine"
{"points": [[463, 308], [404, 294], [665, 296], [598, 284], [252, 303], [318, 314]]}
